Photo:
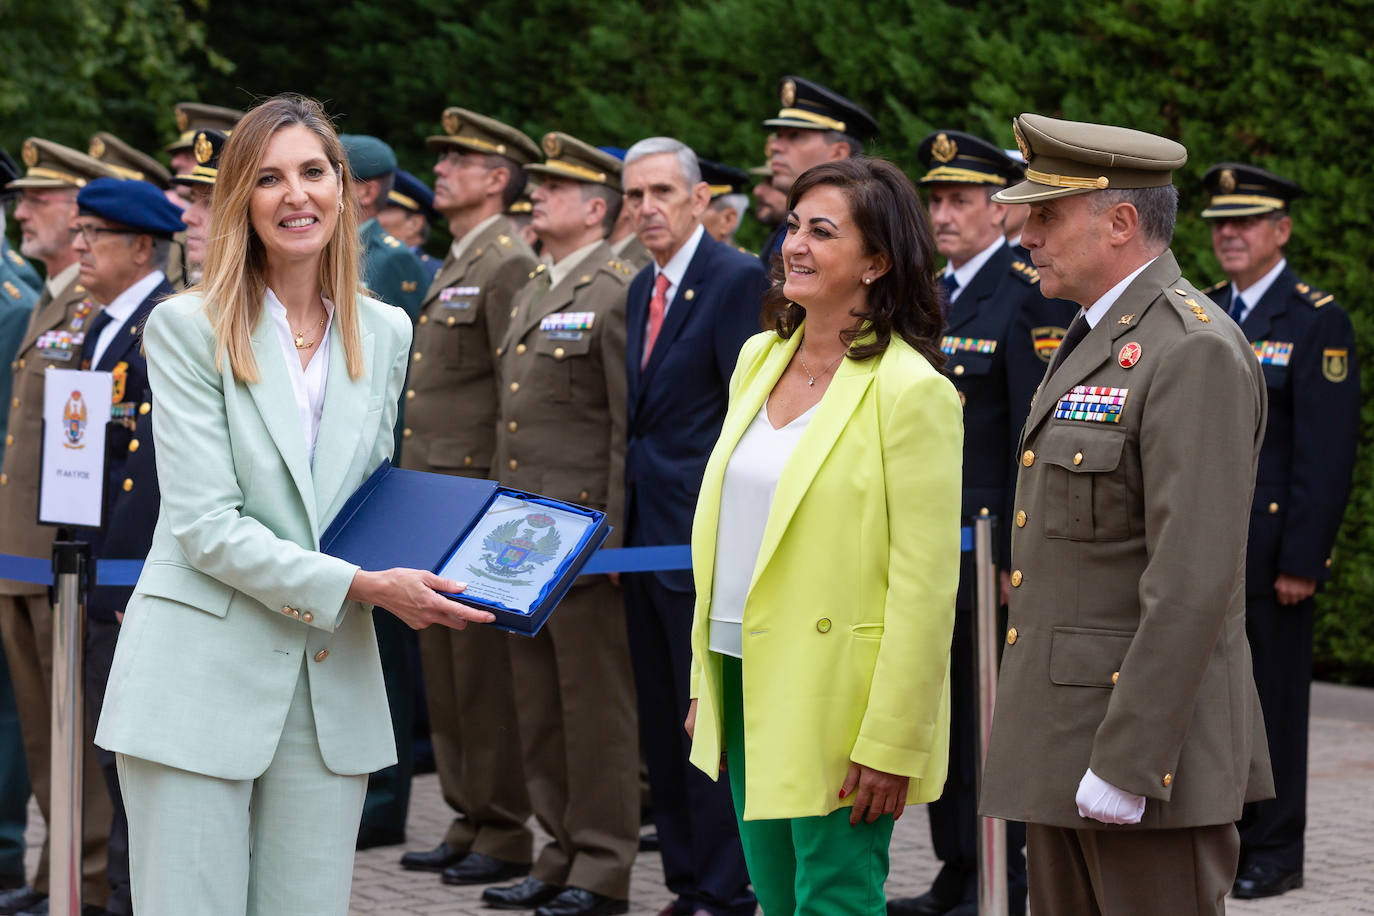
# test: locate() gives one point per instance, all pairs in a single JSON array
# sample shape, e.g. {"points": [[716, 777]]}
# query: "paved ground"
{"points": [[1340, 841]]}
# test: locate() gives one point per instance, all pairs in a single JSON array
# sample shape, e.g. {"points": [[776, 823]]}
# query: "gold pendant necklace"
{"points": [[301, 342]]}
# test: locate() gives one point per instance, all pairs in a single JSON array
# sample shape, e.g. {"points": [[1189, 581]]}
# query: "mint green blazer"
{"points": [[235, 593], [848, 618]]}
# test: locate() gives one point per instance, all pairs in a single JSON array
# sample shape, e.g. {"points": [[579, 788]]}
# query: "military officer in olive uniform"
{"points": [[191, 118], [127, 162], [55, 334], [562, 433], [1306, 348], [1127, 732], [1000, 333], [451, 414]]}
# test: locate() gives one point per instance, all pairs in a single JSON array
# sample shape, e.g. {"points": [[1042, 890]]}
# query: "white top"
{"points": [[1252, 294], [307, 384], [746, 499], [124, 305], [1099, 309], [965, 273]]}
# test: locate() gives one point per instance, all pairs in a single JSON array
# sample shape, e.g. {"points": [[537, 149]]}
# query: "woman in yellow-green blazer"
{"points": [[826, 550]]}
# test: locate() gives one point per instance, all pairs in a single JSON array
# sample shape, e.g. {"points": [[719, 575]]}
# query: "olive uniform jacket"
{"points": [[848, 620], [450, 425], [56, 331], [235, 595], [562, 371], [1126, 648]]}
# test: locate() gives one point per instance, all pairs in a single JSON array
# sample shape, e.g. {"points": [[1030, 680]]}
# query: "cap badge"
{"points": [[552, 145], [944, 149], [451, 123], [1227, 181], [1021, 143], [789, 93], [203, 149], [30, 153], [97, 148], [1129, 355], [183, 122]]}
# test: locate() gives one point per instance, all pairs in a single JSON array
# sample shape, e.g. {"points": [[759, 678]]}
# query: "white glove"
{"points": [[1102, 801]]}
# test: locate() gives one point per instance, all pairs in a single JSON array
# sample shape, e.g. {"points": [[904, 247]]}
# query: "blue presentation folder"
{"points": [[416, 519]]}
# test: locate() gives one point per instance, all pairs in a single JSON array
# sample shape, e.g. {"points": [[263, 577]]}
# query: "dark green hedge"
{"points": [[1288, 86]]}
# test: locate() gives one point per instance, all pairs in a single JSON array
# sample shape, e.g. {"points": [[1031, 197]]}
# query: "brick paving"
{"points": [[1340, 841]]}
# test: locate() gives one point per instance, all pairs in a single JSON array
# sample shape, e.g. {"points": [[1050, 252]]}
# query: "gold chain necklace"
{"points": [[811, 379], [301, 342]]}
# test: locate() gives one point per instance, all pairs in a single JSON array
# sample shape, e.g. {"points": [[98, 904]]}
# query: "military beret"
{"points": [[410, 193], [568, 157], [1074, 157], [723, 179], [128, 162], [136, 204], [616, 151], [811, 106], [209, 143], [1246, 190], [476, 133], [52, 165], [954, 157], [368, 157], [193, 116]]}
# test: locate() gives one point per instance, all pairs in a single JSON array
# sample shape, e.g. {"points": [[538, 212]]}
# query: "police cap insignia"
{"points": [[204, 150], [30, 153], [97, 149], [1227, 181], [944, 148], [789, 93]]}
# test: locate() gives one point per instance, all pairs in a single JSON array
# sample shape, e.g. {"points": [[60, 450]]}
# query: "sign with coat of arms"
{"points": [[71, 484]]}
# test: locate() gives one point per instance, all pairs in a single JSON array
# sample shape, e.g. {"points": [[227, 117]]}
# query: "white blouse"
{"points": [[307, 384], [746, 498]]}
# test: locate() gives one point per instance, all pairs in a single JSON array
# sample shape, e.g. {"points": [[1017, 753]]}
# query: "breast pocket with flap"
{"points": [[1086, 495]]}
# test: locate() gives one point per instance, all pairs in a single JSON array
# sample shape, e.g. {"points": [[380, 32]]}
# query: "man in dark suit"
{"points": [[122, 236], [1306, 348], [687, 315], [1000, 334]]}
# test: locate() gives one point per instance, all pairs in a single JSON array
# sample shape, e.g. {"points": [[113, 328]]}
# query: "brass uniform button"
{"points": [[467, 461], [1168, 780], [307, 617], [451, 321], [133, 445], [9, 440], [1273, 508], [558, 352], [415, 357], [514, 387], [1115, 675], [14, 402], [514, 464], [405, 433], [1016, 578], [4, 479], [144, 408], [410, 395], [1011, 636], [1328, 562], [512, 312], [512, 426], [823, 625], [959, 370], [21, 364], [500, 350], [128, 484], [1077, 458], [321, 655], [1021, 519], [520, 349], [984, 511], [584, 496], [424, 319], [1028, 458], [289, 611]]}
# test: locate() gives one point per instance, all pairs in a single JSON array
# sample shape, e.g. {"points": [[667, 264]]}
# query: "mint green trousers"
{"points": [[808, 866]]}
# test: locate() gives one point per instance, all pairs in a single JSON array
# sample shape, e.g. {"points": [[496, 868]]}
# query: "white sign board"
{"points": [[76, 407]]}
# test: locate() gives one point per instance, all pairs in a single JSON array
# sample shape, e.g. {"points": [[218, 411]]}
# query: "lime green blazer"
{"points": [[848, 619], [235, 596]]}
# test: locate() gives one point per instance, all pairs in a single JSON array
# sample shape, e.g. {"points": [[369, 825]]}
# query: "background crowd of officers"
{"points": [[577, 340]]}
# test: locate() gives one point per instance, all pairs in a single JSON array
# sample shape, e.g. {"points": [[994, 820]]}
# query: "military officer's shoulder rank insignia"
{"points": [[1186, 302], [15, 257], [391, 241], [408, 286], [504, 241], [1314, 297], [1025, 271], [1335, 364], [1046, 340], [12, 290], [1216, 287]]}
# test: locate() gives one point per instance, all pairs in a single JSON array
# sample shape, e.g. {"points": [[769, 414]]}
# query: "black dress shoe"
{"points": [[18, 899], [476, 868], [576, 901], [368, 837], [526, 895], [1262, 880], [436, 859], [927, 904]]}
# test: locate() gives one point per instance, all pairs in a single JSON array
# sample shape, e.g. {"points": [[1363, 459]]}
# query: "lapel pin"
{"points": [[689, 295], [1129, 355], [1125, 319]]}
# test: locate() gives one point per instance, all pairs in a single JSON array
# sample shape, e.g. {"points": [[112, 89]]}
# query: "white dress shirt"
{"points": [[964, 275], [1099, 309], [306, 384], [1255, 291], [676, 268], [124, 305], [746, 498]]}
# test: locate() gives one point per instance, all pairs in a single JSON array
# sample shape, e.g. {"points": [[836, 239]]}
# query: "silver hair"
{"points": [[686, 159], [1157, 208], [737, 202]]}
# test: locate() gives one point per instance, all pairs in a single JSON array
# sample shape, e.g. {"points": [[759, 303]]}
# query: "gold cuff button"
{"points": [[1011, 636], [133, 445], [514, 464], [1273, 508], [1115, 675], [512, 426], [959, 370], [514, 387], [321, 655], [823, 625], [405, 433], [1028, 458], [1016, 578], [144, 408], [128, 484], [558, 352], [307, 617], [410, 395], [288, 610], [520, 349], [1021, 519], [1168, 780], [1077, 458]]}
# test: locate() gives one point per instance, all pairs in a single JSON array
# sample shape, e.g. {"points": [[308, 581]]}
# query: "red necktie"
{"points": [[658, 304]]}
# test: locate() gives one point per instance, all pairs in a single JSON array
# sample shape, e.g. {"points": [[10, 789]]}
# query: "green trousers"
{"points": [[809, 866]]}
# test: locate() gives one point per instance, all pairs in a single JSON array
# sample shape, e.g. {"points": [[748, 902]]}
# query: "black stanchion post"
{"points": [[71, 565], [992, 833]]}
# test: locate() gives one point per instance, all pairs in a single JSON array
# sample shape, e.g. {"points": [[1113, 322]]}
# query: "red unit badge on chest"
{"points": [[1129, 355]]}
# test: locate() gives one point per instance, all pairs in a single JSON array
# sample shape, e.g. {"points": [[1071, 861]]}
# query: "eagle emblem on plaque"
{"points": [[74, 421], [510, 553]]}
